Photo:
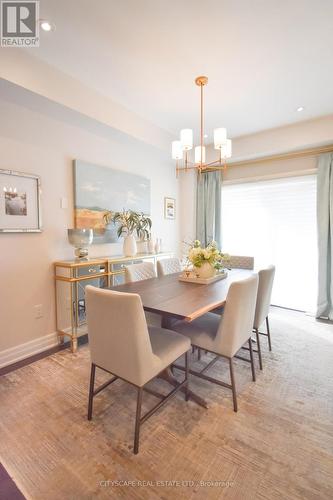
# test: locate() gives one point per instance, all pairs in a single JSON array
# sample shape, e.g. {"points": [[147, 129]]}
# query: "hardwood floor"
{"points": [[278, 446]]}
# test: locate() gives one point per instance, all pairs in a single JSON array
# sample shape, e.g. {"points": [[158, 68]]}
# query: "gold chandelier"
{"points": [[181, 148]]}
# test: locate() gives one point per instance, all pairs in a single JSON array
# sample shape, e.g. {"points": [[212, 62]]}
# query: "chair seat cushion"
{"points": [[201, 331], [167, 345], [153, 319]]}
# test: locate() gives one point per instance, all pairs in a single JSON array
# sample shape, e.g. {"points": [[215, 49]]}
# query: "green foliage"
{"points": [[129, 222]]}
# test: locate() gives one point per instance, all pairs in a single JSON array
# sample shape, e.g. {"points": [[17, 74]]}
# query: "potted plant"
{"points": [[130, 223], [143, 231], [206, 261]]}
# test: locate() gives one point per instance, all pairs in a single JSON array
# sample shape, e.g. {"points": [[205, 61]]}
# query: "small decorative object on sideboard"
{"points": [[158, 245], [130, 224], [80, 239], [151, 245], [207, 263]]}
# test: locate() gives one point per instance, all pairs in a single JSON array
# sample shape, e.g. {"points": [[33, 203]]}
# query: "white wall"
{"points": [[25, 70], [45, 142]]}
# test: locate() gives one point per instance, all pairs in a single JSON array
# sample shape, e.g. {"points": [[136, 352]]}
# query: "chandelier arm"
{"points": [[188, 168], [215, 162], [214, 165]]}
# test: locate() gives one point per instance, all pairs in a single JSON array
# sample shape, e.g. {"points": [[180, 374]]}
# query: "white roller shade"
{"points": [[275, 221]]}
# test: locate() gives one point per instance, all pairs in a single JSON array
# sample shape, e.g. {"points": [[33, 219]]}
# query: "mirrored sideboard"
{"points": [[71, 278]]}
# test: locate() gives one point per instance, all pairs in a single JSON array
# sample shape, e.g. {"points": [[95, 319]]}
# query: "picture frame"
{"points": [[169, 208], [20, 203], [99, 189]]}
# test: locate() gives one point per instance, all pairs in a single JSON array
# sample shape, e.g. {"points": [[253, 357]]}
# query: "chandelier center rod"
{"points": [[201, 81]]}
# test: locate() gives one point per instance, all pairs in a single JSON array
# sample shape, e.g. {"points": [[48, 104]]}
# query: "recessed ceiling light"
{"points": [[300, 108], [205, 136], [47, 25]]}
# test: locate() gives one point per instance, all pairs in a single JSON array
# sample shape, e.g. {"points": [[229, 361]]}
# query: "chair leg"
{"points": [[91, 390], [233, 385], [259, 350], [199, 353], [137, 420], [268, 334], [187, 371], [252, 361]]}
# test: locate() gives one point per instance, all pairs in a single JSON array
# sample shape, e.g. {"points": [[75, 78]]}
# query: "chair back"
{"points": [[237, 320], [118, 335], [265, 286], [139, 272], [240, 262], [168, 266]]}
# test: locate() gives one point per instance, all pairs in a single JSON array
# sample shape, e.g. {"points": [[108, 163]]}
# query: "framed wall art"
{"points": [[98, 189], [169, 208], [20, 210]]}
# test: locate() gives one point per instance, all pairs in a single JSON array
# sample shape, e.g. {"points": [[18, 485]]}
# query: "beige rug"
{"points": [[278, 446]]}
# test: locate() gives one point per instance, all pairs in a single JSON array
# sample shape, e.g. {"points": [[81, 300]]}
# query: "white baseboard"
{"points": [[22, 351]]}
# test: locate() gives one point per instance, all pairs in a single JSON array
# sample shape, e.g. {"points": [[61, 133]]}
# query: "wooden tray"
{"points": [[204, 281]]}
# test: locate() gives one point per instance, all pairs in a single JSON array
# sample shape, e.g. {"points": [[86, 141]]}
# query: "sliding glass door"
{"points": [[275, 221]]}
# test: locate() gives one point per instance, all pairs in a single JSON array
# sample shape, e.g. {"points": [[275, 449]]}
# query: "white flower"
{"points": [[206, 254]]}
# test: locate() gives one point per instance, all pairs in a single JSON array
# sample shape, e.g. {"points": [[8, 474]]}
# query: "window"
{"points": [[275, 221]]}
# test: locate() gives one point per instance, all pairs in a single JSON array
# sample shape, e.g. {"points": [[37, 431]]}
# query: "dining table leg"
{"points": [[168, 376]]}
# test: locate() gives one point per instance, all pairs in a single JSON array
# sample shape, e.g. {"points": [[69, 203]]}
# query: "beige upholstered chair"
{"points": [[240, 262], [236, 262], [226, 335], [168, 266], [139, 272], [122, 344], [265, 286]]}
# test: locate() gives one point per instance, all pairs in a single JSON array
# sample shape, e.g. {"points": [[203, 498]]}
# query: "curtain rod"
{"points": [[284, 156]]}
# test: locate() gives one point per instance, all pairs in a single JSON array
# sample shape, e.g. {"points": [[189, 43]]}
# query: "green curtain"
{"points": [[208, 219], [325, 236]]}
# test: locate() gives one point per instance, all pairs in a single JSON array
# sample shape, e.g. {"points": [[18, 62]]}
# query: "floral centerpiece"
{"points": [[206, 261]]}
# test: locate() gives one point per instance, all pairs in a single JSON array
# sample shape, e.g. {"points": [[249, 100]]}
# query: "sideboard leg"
{"points": [[74, 344]]}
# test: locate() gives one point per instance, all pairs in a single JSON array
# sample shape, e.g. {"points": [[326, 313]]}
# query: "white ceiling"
{"points": [[264, 58]]}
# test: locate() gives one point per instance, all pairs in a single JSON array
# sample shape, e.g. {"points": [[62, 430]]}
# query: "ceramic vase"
{"points": [[205, 271], [142, 246], [129, 248], [151, 246]]}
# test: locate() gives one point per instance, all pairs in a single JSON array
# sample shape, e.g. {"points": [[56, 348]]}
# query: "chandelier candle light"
{"points": [[181, 148]]}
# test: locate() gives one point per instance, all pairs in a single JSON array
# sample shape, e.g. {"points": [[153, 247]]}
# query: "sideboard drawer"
{"points": [[90, 270]]}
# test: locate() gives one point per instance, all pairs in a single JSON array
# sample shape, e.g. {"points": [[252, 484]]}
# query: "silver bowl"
{"points": [[80, 239]]}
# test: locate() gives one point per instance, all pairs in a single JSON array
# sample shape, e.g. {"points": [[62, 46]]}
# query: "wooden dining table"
{"points": [[173, 299]]}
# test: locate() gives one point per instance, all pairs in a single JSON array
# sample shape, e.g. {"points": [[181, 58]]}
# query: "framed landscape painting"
{"points": [[98, 189], [169, 208], [19, 202]]}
